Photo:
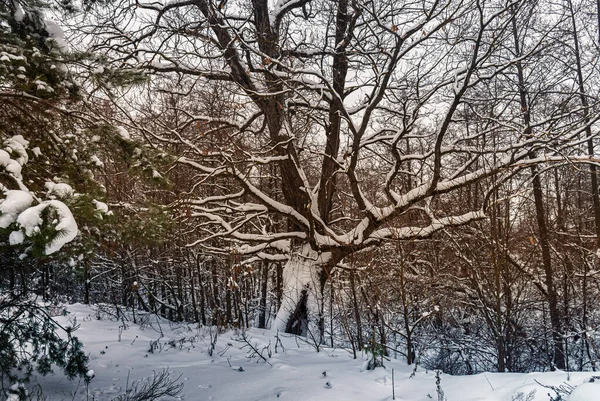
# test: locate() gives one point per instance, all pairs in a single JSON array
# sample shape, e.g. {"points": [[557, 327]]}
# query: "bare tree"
{"points": [[343, 118]]}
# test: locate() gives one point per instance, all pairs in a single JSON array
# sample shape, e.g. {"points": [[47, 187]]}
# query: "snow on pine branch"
{"points": [[27, 219]]}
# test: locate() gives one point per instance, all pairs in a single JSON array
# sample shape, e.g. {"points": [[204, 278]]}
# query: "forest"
{"points": [[410, 180]]}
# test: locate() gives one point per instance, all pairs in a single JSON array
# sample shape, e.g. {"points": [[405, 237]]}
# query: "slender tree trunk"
{"points": [[262, 317], [331, 302], [555, 319], [588, 129], [12, 280], [86, 283], [228, 318], [215, 301], [163, 295], [151, 300], [584, 317], [179, 295], [359, 335], [495, 260], [409, 343], [279, 284], [39, 268], [507, 283], [124, 286], [193, 291], [202, 295]]}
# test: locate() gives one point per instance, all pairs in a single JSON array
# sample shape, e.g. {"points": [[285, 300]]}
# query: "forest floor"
{"points": [[120, 356]]}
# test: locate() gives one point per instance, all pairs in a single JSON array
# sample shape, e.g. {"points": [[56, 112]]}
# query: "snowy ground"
{"points": [[295, 373]]}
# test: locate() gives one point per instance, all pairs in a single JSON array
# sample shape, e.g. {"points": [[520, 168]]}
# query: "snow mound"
{"points": [[219, 367], [586, 392]]}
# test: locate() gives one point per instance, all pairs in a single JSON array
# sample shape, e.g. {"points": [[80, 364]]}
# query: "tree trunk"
{"points": [[202, 292], [359, 335], [584, 318], [262, 317], [279, 284], [555, 319], [301, 306], [228, 318], [588, 129], [86, 283], [215, 301], [496, 263], [193, 291]]}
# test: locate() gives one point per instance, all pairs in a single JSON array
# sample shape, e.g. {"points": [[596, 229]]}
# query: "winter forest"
{"points": [[299, 199]]}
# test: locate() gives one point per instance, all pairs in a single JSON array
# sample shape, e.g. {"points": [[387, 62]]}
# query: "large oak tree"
{"points": [[350, 122]]}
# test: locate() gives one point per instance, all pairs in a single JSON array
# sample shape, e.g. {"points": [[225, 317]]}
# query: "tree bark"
{"points": [[555, 319], [193, 290], [588, 129], [359, 335], [262, 317]]}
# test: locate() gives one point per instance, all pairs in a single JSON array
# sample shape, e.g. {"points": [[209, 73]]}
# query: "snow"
{"points": [[19, 13], [56, 33], [4, 158], [31, 220], [123, 133], [15, 202], [15, 147], [436, 224], [96, 161], [586, 392], [16, 238], [59, 190], [15, 390], [67, 226], [100, 206], [14, 168], [299, 274], [294, 373]]}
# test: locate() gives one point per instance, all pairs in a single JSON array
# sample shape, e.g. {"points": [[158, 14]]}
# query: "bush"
{"points": [[30, 341]]}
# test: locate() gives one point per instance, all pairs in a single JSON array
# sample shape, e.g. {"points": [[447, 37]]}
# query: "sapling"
{"points": [[161, 385], [438, 386]]}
